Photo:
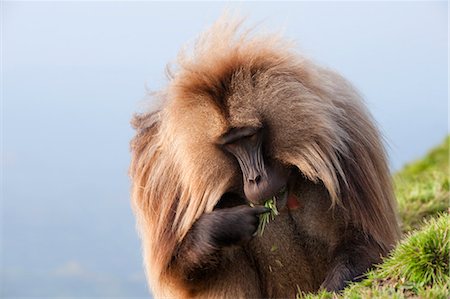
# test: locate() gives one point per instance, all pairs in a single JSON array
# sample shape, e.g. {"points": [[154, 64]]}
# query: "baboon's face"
{"points": [[263, 178]]}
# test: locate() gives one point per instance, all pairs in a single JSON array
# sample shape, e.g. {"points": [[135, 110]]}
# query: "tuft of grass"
{"points": [[265, 218], [422, 258]]}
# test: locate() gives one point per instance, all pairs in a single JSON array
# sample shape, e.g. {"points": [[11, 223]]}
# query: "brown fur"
{"points": [[316, 122]]}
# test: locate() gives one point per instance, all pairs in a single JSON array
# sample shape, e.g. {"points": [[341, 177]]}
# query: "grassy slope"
{"points": [[422, 187], [419, 266]]}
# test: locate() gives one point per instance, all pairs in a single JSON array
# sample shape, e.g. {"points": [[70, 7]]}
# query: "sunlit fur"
{"points": [[232, 78]]}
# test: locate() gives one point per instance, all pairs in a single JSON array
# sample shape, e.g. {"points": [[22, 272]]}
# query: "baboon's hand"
{"points": [[230, 226], [199, 253]]}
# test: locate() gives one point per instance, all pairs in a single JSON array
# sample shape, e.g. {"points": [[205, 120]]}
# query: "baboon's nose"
{"points": [[255, 179]]}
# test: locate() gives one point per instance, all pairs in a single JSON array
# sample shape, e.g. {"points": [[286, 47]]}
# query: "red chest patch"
{"points": [[292, 202]]}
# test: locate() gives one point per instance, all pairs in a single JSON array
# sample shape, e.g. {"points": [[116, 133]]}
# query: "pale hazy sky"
{"points": [[74, 72]]}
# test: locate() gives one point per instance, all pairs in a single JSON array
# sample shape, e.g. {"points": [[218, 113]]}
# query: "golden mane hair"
{"points": [[322, 127]]}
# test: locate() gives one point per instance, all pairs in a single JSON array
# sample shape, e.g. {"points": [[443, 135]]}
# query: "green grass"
{"points": [[265, 218], [419, 265], [422, 187]]}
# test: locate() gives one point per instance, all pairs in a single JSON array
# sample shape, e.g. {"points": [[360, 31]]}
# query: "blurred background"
{"points": [[73, 73]]}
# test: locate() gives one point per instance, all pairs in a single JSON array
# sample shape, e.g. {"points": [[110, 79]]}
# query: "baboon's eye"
{"points": [[253, 138]]}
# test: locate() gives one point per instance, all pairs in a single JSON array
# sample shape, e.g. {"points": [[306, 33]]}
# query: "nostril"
{"points": [[255, 180]]}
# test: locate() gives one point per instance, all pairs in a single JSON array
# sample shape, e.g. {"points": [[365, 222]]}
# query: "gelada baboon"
{"points": [[242, 119]]}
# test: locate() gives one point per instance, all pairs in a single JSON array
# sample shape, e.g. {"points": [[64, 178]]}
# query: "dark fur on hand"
{"points": [[200, 250]]}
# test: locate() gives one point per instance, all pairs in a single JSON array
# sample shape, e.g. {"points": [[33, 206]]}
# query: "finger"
{"points": [[260, 210]]}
